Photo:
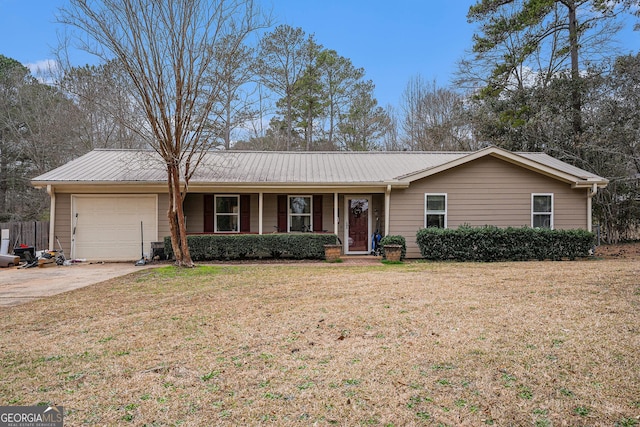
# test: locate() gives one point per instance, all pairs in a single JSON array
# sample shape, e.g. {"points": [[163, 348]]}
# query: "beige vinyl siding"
{"points": [[193, 211], [377, 215], [254, 215], [63, 225], [270, 213], [327, 213], [163, 219], [487, 191], [570, 209]]}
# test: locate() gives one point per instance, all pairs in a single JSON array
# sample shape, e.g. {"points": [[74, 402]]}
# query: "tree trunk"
{"points": [[4, 178], [173, 219], [331, 124], [227, 126], [309, 127], [176, 218], [576, 96], [289, 120]]}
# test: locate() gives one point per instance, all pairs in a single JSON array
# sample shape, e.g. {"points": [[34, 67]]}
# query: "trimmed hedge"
{"points": [[503, 244], [394, 240], [209, 247]]}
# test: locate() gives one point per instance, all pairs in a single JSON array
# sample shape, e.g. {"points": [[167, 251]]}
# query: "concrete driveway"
{"points": [[18, 286]]}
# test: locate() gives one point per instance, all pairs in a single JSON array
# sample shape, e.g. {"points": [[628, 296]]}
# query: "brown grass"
{"points": [[535, 343]]}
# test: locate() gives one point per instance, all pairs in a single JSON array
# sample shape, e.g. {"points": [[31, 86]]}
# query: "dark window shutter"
{"points": [[317, 212], [245, 213], [208, 213], [282, 213]]}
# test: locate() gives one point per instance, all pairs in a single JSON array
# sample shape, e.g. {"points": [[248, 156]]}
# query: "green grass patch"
{"points": [[173, 272]]}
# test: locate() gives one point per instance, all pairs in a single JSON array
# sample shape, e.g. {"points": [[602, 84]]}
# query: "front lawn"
{"points": [[531, 343]]}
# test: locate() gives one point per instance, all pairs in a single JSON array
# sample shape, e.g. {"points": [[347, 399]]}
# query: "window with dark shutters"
{"points": [[210, 213]]}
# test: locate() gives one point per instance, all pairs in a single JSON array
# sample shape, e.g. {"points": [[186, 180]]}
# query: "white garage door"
{"points": [[108, 226]]}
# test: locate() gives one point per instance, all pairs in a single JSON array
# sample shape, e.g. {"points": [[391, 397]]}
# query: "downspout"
{"points": [[52, 217], [387, 201], [336, 219], [591, 194]]}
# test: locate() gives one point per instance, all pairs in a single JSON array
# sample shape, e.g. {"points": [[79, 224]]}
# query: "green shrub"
{"points": [[491, 243], [394, 240], [208, 247]]}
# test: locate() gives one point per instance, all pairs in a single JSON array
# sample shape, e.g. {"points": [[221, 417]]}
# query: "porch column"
{"points": [[335, 214], [260, 209], [589, 209], [387, 201]]}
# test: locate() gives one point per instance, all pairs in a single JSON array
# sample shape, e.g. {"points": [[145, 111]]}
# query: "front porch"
{"points": [[354, 218]]}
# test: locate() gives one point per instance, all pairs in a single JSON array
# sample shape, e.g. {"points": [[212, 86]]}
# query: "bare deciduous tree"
{"points": [[236, 105], [168, 49], [103, 95], [434, 117], [37, 133]]}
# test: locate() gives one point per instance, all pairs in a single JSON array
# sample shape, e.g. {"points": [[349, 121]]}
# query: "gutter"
{"points": [[195, 186], [590, 183], [387, 209]]}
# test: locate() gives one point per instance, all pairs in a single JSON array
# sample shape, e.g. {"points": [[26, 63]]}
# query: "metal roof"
{"points": [[273, 168]]}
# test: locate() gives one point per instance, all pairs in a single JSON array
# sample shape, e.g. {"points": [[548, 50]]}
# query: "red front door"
{"points": [[358, 234]]}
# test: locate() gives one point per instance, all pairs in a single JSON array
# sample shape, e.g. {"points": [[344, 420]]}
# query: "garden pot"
{"points": [[392, 252], [332, 252]]}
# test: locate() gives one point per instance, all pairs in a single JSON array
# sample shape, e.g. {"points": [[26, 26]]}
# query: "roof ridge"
{"points": [[404, 152]]}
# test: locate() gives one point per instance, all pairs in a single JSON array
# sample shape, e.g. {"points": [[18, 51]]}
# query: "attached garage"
{"points": [[107, 226]]}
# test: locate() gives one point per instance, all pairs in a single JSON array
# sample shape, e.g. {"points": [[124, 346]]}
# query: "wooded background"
{"points": [[539, 75]]}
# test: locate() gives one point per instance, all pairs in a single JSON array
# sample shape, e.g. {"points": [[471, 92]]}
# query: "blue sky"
{"points": [[391, 40]]}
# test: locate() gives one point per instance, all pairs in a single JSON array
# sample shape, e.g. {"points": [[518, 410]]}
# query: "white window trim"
{"points": [[215, 213], [428, 212], [533, 213], [290, 214]]}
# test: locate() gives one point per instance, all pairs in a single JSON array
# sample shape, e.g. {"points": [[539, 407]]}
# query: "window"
{"points": [[300, 213], [542, 210], [227, 214], [435, 208]]}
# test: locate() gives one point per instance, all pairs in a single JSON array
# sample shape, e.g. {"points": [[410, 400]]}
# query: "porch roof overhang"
{"points": [[248, 187]]}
